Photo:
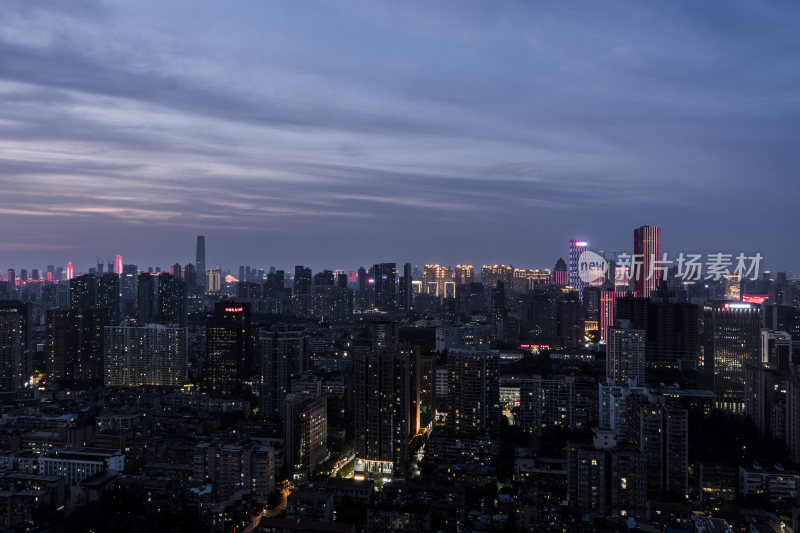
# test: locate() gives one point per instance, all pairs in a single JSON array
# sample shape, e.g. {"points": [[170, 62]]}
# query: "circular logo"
{"points": [[592, 268]]}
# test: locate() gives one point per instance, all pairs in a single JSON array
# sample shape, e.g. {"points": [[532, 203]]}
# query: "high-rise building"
{"points": [[108, 294], [384, 417], [70, 271], [235, 469], [405, 291], [214, 280], [576, 248], [305, 434], [302, 280], [12, 282], [146, 355], [13, 371], [75, 344], [200, 259], [776, 349], [128, 289], [283, 355], [229, 348], [434, 278], [83, 292], [792, 436], [647, 250], [499, 314], [473, 392], [146, 308], [731, 339], [17, 329], [560, 275], [385, 286], [558, 402], [625, 353], [118, 265], [171, 300]]}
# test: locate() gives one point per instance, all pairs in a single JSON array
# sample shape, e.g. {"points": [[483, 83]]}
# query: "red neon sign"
{"points": [[755, 298], [234, 309]]}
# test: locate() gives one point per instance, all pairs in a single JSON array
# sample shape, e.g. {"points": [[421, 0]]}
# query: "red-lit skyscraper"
{"points": [[647, 249], [560, 276], [118, 265], [70, 272], [608, 307]]}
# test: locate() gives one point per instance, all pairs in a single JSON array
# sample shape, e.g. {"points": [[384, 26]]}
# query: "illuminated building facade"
{"points": [[146, 355], [625, 353], [385, 417], [576, 248], [732, 338], [473, 392], [647, 246], [560, 276], [305, 433], [434, 278]]}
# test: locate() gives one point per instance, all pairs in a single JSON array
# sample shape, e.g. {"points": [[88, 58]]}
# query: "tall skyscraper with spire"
{"points": [[200, 260]]}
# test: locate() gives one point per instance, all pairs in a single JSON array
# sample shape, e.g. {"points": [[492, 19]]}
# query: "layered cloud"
{"points": [[341, 133]]}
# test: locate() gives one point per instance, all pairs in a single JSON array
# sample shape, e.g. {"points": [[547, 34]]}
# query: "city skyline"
{"points": [[324, 130]]}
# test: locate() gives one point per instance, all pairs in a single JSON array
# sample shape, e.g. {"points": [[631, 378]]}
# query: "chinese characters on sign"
{"points": [[691, 267]]}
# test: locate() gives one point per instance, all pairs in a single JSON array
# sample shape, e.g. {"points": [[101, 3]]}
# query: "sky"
{"points": [[343, 133]]}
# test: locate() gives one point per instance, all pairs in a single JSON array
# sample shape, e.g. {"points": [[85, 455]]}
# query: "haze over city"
{"points": [[331, 134]]}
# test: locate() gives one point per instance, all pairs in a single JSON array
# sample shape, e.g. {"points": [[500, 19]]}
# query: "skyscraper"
{"points": [[146, 308], [171, 300], [385, 286], [576, 248], [229, 347], [560, 276], [384, 421], [405, 293], [305, 434], [15, 342], [282, 356], [118, 265], [12, 351], [731, 339], [108, 293], [147, 355], [625, 353], [302, 280], [473, 392], [647, 249], [200, 260]]}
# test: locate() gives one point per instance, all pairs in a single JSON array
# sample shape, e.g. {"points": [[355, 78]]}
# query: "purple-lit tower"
{"points": [[576, 248]]}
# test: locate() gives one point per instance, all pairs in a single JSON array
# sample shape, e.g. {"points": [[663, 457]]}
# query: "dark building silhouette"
{"points": [[385, 286], [473, 392], [229, 348], [15, 339], [385, 417], [200, 261], [171, 300], [75, 344], [108, 295], [146, 308], [302, 280]]}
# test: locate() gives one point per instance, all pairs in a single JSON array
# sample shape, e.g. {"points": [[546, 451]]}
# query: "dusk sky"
{"points": [[345, 133]]}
